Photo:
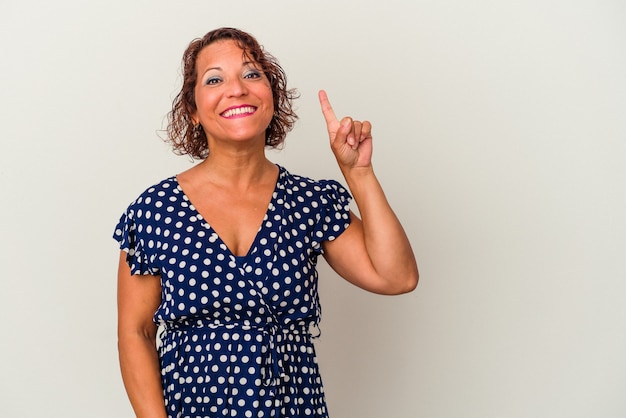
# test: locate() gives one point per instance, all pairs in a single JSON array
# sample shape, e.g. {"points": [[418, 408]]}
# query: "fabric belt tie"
{"points": [[272, 367]]}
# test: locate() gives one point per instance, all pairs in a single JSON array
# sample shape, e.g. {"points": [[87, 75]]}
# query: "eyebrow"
{"points": [[211, 68], [244, 64]]}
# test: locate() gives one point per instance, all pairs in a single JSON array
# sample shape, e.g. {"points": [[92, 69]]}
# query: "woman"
{"points": [[222, 256]]}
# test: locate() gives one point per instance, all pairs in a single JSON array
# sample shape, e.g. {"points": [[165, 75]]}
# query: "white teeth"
{"points": [[238, 111]]}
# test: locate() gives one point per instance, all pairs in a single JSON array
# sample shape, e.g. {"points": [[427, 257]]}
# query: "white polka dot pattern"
{"points": [[237, 340]]}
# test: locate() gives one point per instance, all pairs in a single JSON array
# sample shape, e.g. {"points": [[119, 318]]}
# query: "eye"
{"points": [[252, 74], [212, 80]]}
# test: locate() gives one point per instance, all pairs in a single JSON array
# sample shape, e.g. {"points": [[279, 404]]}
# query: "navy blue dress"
{"points": [[236, 337]]}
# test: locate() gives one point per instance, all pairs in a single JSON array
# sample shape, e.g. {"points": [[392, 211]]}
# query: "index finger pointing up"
{"points": [[327, 109]]}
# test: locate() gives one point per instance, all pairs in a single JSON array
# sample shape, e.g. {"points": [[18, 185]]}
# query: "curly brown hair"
{"points": [[180, 128]]}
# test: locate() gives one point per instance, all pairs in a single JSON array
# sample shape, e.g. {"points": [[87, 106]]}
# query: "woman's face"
{"points": [[233, 96]]}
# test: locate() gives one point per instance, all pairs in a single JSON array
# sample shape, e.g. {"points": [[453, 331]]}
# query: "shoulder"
{"points": [[155, 195], [301, 185]]}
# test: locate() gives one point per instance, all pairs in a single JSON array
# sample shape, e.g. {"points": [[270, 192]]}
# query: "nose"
{"points": [[236, 87]]}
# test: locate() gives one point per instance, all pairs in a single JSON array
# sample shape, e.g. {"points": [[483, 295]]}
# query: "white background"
{"points": [[500, 139]]}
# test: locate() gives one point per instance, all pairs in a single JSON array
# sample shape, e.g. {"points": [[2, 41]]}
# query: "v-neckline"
{"points": [[207, 225]]}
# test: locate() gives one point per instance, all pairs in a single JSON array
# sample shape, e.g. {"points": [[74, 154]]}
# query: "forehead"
{"points": [[222, 51]]}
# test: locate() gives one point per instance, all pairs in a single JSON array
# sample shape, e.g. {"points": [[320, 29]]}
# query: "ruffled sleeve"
{"points": [[334, 214], [128, 235]]}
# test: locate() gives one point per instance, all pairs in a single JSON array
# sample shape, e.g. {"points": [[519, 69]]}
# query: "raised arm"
{"points": [[374, 253], [138, 297]]}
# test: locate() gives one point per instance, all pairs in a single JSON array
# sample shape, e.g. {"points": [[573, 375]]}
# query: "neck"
{"points": [[236, 169]]}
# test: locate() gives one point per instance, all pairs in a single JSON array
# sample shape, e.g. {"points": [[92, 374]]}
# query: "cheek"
{"points": [[269, 94], [198, 98], [270, 98], [271, 108]]}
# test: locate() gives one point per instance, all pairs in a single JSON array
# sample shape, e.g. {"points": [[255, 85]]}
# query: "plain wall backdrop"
{"points": [[500, 139]]}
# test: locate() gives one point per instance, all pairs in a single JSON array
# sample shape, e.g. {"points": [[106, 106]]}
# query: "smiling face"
{"points": [[233, 96]]}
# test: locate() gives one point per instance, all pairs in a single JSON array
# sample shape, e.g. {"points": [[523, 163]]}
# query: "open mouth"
{"points": [[234, 112]]}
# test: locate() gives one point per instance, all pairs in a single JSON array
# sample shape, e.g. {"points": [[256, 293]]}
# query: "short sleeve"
{"points": [[334, 214], [127, 234]]}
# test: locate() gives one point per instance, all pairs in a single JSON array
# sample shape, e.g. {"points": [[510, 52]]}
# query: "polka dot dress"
{"points": [[237, 331]]}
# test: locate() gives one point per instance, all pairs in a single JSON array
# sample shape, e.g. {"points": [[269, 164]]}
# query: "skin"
{"points": [[373, 253], [226, 80]]}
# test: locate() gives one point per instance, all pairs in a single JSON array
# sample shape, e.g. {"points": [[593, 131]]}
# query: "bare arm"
{"points": [[373, 253], [138, 297]]}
